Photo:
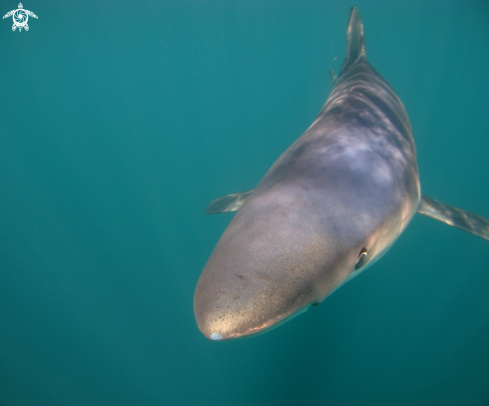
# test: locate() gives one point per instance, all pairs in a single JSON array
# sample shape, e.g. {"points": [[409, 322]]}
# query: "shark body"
{"points": [[332, 204]]}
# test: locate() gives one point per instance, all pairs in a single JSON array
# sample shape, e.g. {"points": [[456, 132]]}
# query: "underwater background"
{"points": [[121, 121]]}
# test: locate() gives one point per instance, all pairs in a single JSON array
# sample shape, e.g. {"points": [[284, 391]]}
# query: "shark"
{"points": [[331, 206]]}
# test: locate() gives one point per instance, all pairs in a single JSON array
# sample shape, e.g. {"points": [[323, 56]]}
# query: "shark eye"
{"points": [[361, 259]]}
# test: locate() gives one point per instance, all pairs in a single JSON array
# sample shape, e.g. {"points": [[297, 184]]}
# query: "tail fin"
{"points": [[355, 49]]}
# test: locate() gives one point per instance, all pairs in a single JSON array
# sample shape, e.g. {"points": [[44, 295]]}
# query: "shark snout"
{"points": [[246, 290], [239, 308], [276, 258]]}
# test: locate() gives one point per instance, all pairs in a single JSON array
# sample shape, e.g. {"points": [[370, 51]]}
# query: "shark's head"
{"points": [[287, 248]]}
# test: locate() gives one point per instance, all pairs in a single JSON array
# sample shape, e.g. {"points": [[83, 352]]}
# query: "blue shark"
{"points": [[331, 205]]}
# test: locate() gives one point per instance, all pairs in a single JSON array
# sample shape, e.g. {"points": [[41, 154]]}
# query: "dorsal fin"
{"points": [[355, 48]]}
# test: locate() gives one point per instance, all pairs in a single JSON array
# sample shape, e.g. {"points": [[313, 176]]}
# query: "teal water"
{"points": [[121, 121]]}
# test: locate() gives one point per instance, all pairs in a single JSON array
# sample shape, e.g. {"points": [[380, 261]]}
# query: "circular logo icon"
{"points": [[20, 18]]}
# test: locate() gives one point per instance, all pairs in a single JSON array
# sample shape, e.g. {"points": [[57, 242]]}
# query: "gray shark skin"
{"points": [[329, 207]]}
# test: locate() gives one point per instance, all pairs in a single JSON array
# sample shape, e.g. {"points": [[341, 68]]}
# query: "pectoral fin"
{"points": [[333, 76], [227, 203], [470, 222]]}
